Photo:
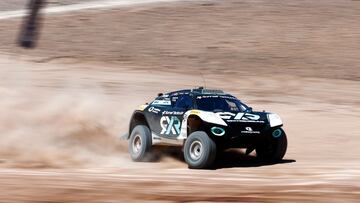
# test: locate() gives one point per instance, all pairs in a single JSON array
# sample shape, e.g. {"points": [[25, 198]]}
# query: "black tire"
{"points": [[140, 143], [275, 148], [199, 150]]}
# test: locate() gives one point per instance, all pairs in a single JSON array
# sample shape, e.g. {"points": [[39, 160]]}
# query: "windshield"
{"points": [[219, 103]]}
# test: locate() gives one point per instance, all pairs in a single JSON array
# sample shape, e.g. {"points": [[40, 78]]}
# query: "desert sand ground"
{"points": [[65, 104]]}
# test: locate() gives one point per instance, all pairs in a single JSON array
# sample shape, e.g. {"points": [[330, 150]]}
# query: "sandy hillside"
{"points": [[65, 104]]}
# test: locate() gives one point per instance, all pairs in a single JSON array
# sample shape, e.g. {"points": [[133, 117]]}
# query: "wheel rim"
{"points": [[196, 150], [136, 145]]}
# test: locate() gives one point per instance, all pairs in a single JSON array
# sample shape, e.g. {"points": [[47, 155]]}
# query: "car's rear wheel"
{"points": [[140, 143], [199, 150], [275, 148]]}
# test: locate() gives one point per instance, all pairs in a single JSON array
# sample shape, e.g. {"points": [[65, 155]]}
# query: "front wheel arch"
{"points": [[206, 155], [194, 123], [275, 148]]}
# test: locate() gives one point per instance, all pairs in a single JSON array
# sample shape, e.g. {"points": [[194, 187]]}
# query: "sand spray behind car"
{"points": [[75, 126]]}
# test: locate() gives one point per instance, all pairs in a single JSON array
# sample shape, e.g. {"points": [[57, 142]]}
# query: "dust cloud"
{"points": [[58, 129]]}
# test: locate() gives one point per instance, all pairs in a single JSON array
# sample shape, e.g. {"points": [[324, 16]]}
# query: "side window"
{"points": [[174, 99], [232, 105], [184, 102]]}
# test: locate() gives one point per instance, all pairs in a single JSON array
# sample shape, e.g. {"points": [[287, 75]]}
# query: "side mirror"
{"points": [[250, 109]]}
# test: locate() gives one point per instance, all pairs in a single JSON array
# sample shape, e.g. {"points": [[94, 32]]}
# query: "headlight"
{"points": [[274, 120]]}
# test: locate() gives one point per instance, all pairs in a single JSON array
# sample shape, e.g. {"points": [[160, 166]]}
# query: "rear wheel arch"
{"points": [[140, 143], [138, 118]]}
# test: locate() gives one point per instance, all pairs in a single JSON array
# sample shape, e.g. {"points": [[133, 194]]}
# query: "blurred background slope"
{"points": [[305, 38]]}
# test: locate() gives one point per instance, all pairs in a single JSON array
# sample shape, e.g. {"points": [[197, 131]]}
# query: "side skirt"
{"points": [[157, 140]]}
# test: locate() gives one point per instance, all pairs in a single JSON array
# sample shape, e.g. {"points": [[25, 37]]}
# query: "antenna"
{"points": [[203, 78]]}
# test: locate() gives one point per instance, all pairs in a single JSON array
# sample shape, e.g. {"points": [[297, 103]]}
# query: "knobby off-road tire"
{"points": [[140, 143], [199, 150], [275, 148]]}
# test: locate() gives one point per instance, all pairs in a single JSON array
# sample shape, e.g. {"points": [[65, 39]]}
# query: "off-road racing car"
{"points": [[204, 122]]}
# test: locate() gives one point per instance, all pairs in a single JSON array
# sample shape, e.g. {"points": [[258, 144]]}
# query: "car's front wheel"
{"points": [[140, 143], [275, 148], [199, 150]]}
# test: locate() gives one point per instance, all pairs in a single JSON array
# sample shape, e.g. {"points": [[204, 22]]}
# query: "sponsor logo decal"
{"points": [[194, 112], [162, 102], [170, 125], [154, 110], [249, 130], [176, 113], [215, 96], [240, 117]]}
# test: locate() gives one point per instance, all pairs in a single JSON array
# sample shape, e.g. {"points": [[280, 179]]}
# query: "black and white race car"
{"points": [[203, 122]]}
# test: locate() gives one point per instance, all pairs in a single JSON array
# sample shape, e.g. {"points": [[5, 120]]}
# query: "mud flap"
{"points": [[124, 136], [249, 150]]}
